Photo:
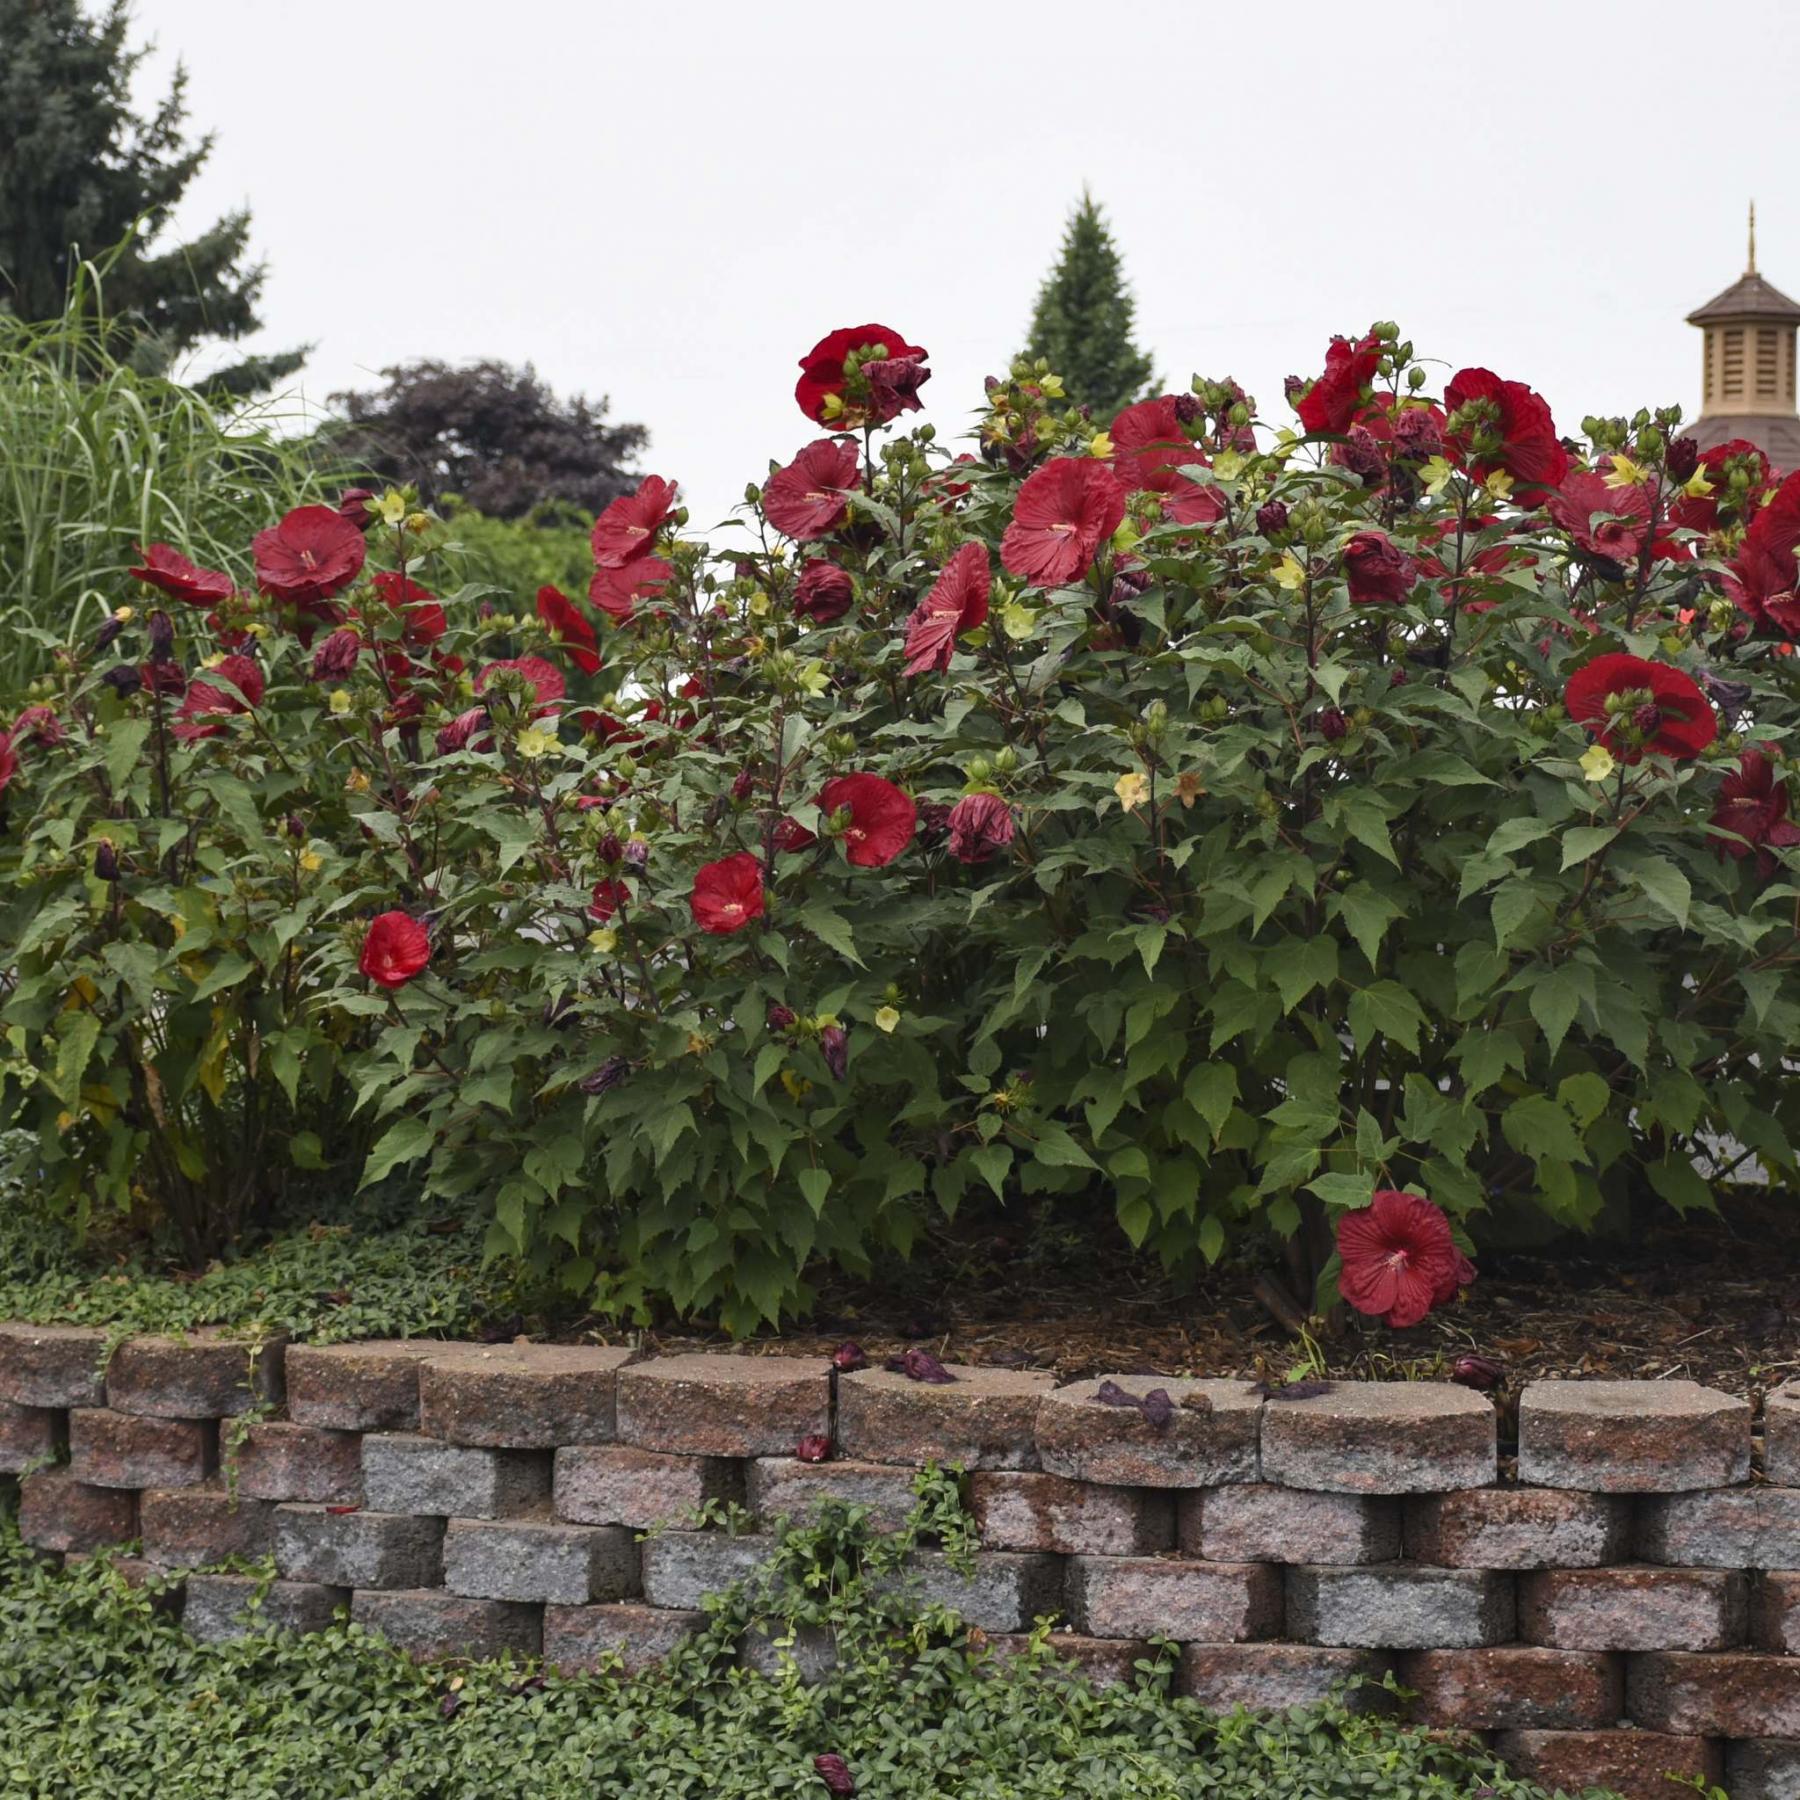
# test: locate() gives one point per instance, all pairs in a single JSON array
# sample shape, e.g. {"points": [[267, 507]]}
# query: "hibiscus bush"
{"points": [[1207, 825]]}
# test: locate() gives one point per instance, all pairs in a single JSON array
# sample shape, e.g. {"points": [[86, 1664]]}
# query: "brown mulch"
{"points": [[1713, 1299]]}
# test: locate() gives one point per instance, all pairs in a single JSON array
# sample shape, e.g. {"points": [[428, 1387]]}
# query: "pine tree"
{"points": [[83, 176], [1085, 317]]}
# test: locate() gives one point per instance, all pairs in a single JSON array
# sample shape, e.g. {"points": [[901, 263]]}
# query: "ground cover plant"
{"points": [[1330, 834], [101, 1691]]}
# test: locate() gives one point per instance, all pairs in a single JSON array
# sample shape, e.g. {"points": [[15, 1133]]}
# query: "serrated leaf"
{"points": [[1385, 1007], [815, 1186], [1211, 1090], [1583, 841], [402, 1142], [993, 1162], [1663, 885], [1536, 1126]]}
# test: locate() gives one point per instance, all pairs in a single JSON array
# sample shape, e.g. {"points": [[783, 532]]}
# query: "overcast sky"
{"points": [[668, 204]]}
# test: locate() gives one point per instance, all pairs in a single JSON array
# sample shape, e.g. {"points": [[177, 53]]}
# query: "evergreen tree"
{"points": [[85, 176], [1085, 317]]}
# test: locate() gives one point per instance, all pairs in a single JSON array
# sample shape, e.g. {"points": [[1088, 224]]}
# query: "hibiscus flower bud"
{"points": [[780, 1018], [835, 1773], [981, 825], [336, 656], [815, 1447], [1188, 408], [1479, 1372], [605, 1078], [123, 679], [1333, 726], [611, 850], [848, 1357], [353, 504], [834, 1045], [743, 786], [1682, 459], [106, 861], [1272, 518], [637, 855], [295, 828]]}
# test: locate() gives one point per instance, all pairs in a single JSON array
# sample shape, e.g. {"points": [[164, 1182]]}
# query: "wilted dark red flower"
{"points": [[958, 602], [568, 628], [1398, 1257], [815, 1447], [39, 725], [353, 503], [1362, 454], [171, 573], [124, 679], [920, 1365], [835, 1773], [395, 948], [106, 861], [1497, 424], [545, 678], [1061, 516], [1272, 518], [728, 894], [1379, 572], [1333, 400], [981, 826], [604, 1078], [1737, 476], [162, 678], [810, 496], [824, 591], [882, 818], [607, 898], [779, 1018], [311, 556], [207, 703], [9, 761], [1753, 807], [336, 655], [1333, 726], [1482, 1373], [616, 592], [830, 394], [1604, 520], [461, 732], [628, 528], [834, 1046], [848, 1357], [422, 617], [1634, 707]]}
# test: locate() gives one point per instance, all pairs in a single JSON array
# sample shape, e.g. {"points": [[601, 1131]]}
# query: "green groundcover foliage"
{"points": [[1203, 826], [100, 1693]]}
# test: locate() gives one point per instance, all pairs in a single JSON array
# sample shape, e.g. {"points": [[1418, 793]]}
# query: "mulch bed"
{"points": [[1714, 1299]]}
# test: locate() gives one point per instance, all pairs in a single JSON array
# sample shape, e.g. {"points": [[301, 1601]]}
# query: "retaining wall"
{"points": [[1624, 1602]]}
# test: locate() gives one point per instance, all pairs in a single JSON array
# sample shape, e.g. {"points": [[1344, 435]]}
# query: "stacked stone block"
{"points": [[1627, 1608]]}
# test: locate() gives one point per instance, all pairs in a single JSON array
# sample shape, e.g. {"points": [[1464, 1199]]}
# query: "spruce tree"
{"points": [[1085, 317], [84, 176]]}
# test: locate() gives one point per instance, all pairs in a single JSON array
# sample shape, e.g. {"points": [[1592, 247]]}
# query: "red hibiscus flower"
{"points": [[171, 573], [464, 730], [1061, 516], [607, 898], [1737, 477], [1753, 807], [1605, 521], [544, 677], [629, 526], [823, 593], [395, 948], [39, 725], [1332, 401], [1499, 424], [1634, 707], [871, 394], [1150, 449], [1398, 1258], [791, 837], [882, 818], [958, 602], [311, 556], [981, 826], [728, 894], [1379, 572], [616, 592], [1764, 575], [568, 628], [422, 618], [811, 495], [206, 704]]}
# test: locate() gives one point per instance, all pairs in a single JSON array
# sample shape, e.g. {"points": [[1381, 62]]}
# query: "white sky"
{"points": [[668, 204]]}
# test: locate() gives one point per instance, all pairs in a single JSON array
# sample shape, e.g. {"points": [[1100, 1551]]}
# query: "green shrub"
{"points": [[519, 556], [99, 1692], [99, 459], [1278, 873]]}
